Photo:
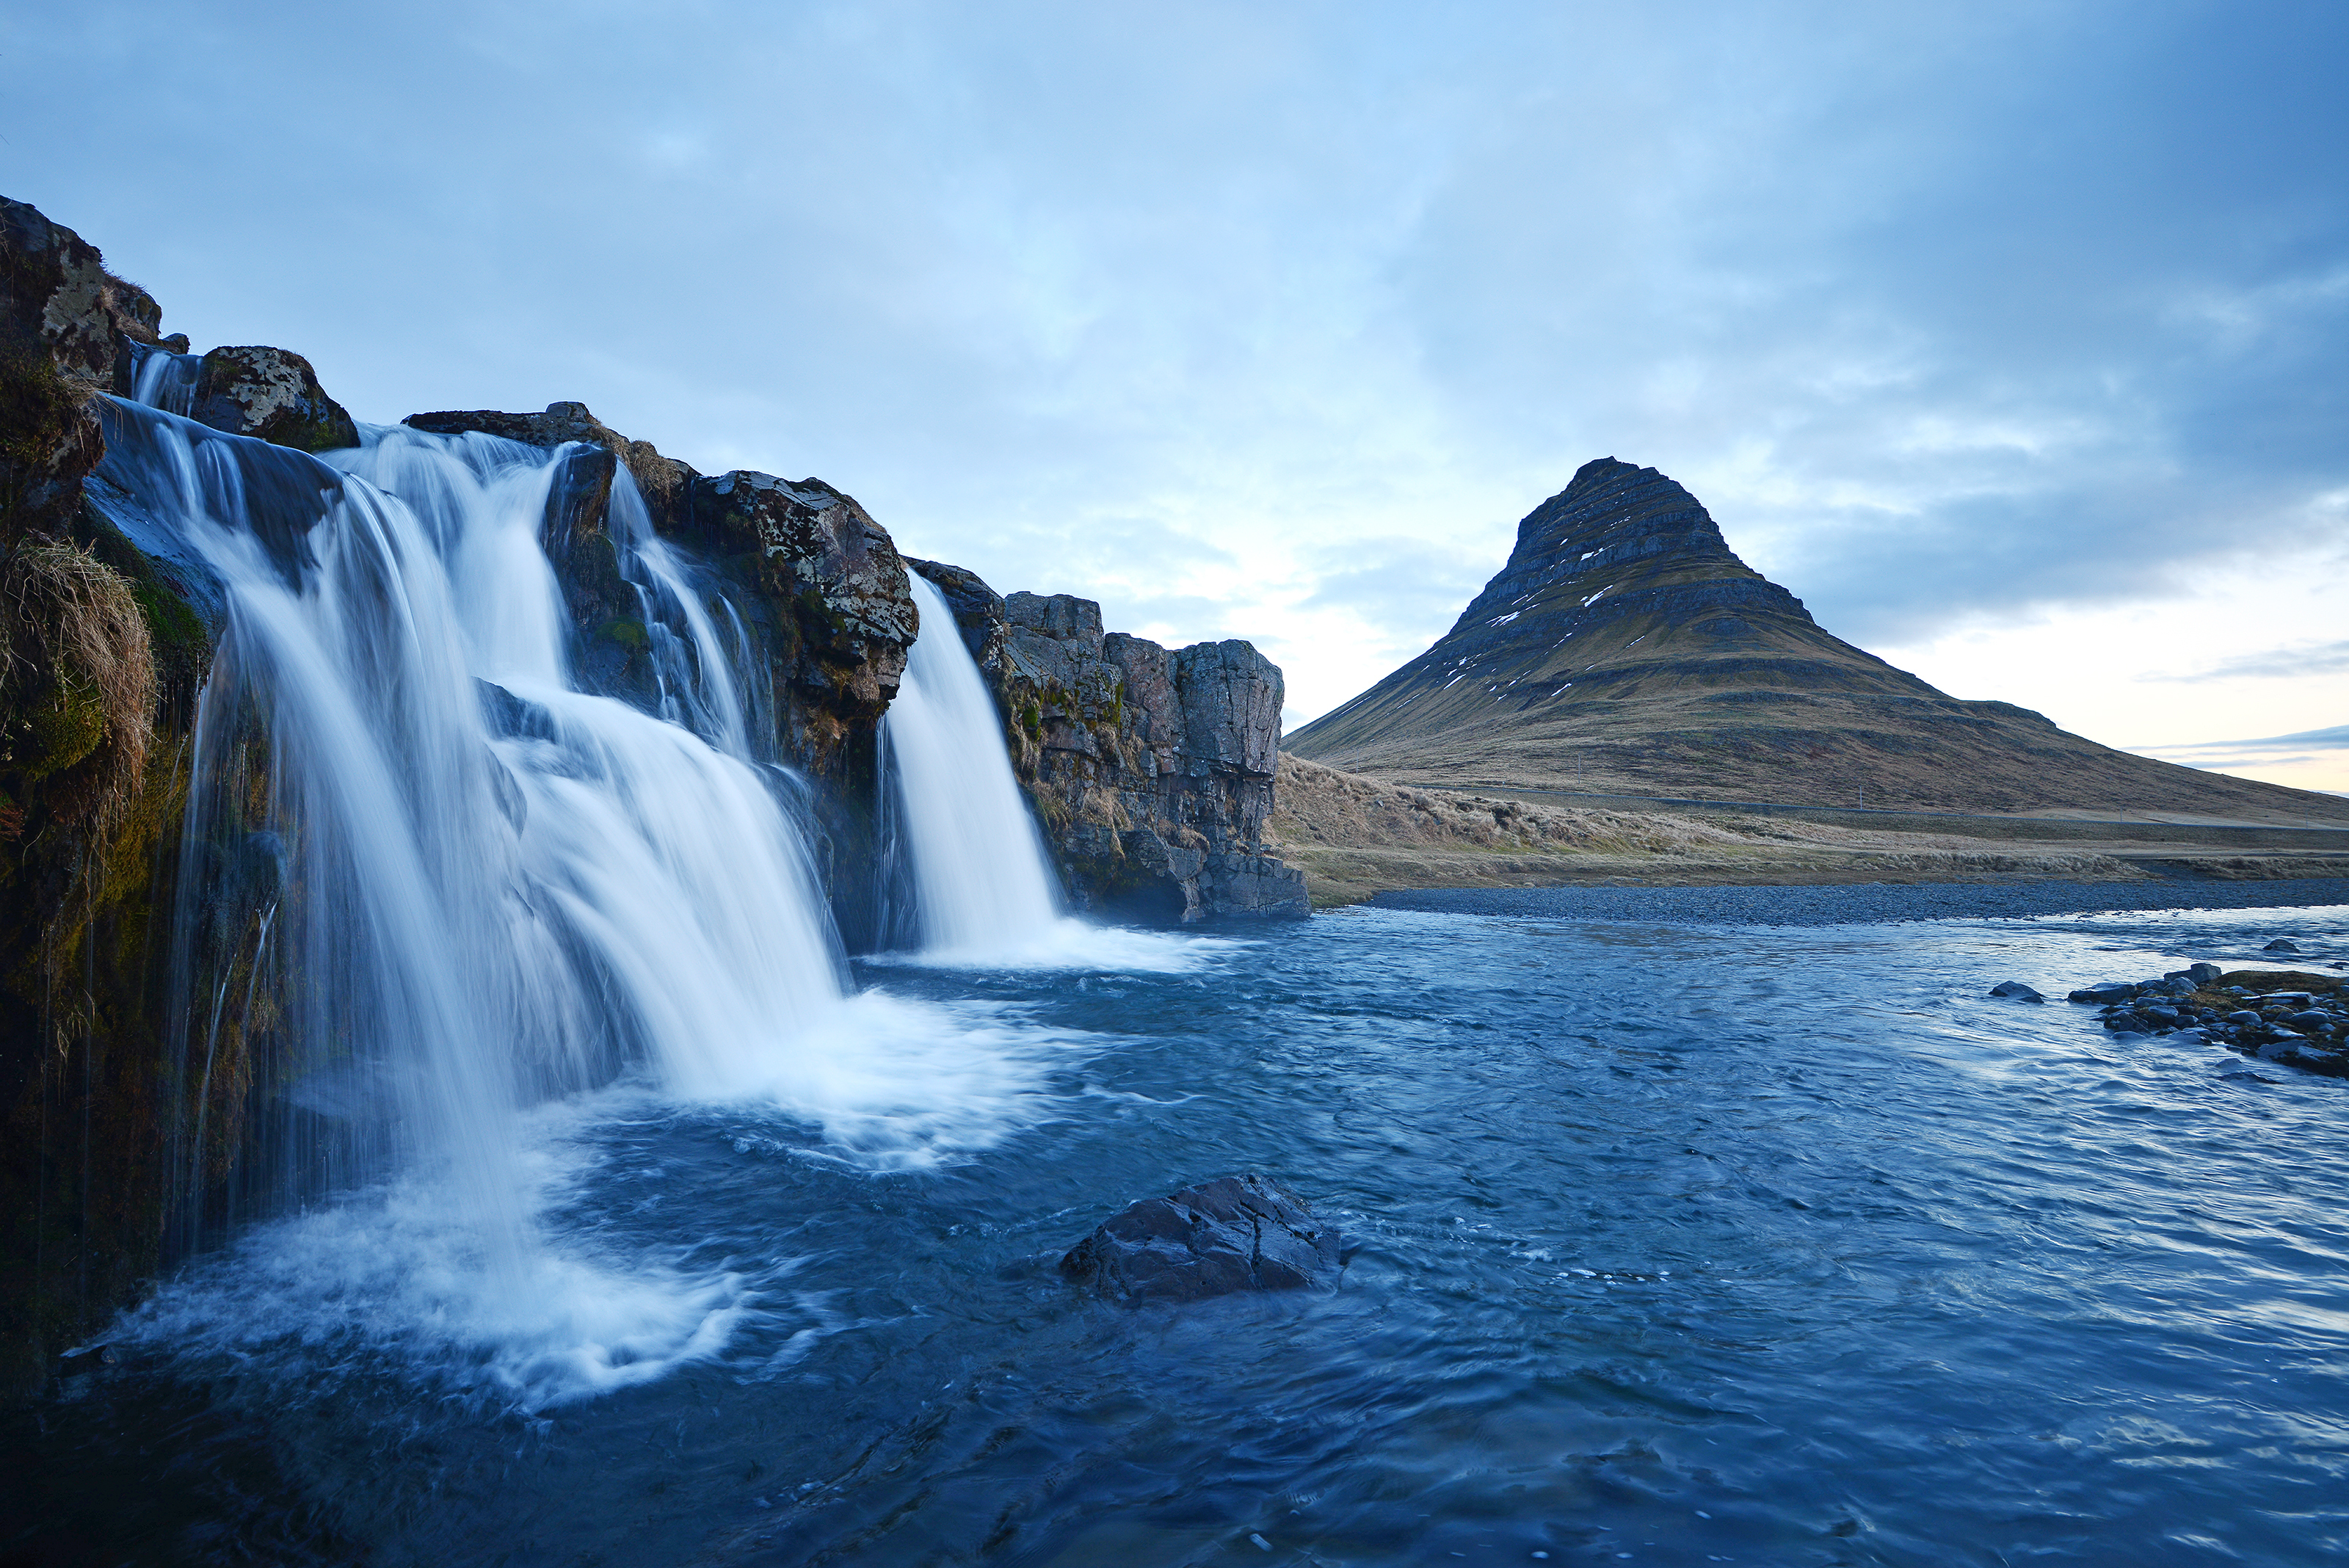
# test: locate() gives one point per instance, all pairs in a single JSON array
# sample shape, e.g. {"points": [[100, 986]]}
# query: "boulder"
{"points": [[271, 394], [2016, 991], [2281, 945], [63, 319], [1238, 1233], [2110, 991]]}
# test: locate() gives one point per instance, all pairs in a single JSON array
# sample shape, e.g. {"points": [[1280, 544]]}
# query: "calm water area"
{"points": [[1673, 1243]]}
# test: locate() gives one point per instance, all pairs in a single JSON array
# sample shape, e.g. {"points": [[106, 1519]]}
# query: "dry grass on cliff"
{"points": [[1355, 835], [78, 665]]}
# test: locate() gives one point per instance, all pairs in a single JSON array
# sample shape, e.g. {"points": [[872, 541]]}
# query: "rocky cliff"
{"points": [[1625, 648], [1151, 770], [101, 655], [819, 584]]}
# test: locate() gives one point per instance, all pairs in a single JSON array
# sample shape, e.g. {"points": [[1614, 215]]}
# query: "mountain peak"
{"points": [[1624, 646]]}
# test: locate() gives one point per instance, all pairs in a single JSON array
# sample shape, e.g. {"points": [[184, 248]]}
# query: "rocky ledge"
{"points": [[2291, 1018], [1152, 770], [819, 583]]}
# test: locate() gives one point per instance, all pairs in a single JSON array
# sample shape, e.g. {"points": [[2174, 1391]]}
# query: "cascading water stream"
{"points": [[461, 885], [982, 884]]}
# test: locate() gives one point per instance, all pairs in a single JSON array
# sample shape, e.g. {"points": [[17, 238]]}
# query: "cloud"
{"points": [[2287, 663], [1273, 321], [1393, 581], [2312, 759]]}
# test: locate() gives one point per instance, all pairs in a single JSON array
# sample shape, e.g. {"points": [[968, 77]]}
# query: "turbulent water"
{"points": [[1676, 1244]]}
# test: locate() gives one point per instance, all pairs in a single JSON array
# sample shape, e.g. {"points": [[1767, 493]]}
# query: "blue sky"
{"points": [[2014, 339]]}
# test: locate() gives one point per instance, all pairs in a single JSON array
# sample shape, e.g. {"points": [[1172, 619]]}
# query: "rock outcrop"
{"points": [[819, 583], [1151, 770], [101, 655], [271, 394], [1234, 1235], [1624, 649]]}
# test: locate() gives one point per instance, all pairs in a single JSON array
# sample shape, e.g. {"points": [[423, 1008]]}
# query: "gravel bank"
{"points": [[1854, 904]]}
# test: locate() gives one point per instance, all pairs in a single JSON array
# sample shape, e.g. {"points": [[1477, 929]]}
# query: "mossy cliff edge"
{"points": [[1152, 772]]}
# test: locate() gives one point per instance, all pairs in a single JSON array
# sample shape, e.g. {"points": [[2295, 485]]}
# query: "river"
{"points": [[1672, 1245]]}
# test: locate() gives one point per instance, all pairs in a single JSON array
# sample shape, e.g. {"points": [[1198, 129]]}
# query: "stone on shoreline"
{"points": [[2014, 990]]}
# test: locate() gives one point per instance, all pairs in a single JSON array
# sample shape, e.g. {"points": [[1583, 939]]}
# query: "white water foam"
{"points": [[398, 1281]]}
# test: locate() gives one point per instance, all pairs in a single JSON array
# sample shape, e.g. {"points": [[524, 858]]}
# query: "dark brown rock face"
{"points": [[1151, 771], [817, 579], [1625, 648], [98, 658], [1237, 1234], [839, 588], [272, 394], [63, 319]]}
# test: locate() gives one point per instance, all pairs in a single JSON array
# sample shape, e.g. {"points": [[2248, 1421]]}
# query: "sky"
{"points": [[2014, 339]]}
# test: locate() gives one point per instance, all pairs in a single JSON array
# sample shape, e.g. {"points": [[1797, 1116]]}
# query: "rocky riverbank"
{"points": [[2292, 1017]]}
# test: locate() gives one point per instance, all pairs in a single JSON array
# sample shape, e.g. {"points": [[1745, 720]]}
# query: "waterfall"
{"points": [[165, 379], [428, 881], [982, 884]]}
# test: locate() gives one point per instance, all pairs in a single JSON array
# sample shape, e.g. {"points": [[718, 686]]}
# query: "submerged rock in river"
{"points": [[1237, 1234]]}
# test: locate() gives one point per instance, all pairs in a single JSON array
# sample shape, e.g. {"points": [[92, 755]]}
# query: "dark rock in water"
{"points": [[2016, 991], [2281, 945], [2288, 1017], [272, 394], [1238, 1233]]}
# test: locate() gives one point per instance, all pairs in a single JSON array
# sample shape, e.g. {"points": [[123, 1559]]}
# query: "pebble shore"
{"points": [[1864, 903]]}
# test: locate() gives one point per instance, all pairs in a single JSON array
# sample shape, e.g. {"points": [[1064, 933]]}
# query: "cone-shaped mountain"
{"points": [[1625, 647]]}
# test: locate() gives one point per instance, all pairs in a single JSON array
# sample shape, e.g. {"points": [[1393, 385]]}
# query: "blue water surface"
{"points": [[1674, 1244]]}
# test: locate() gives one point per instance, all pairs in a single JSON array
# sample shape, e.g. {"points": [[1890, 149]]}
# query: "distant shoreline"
{"points": [[1869, 903]]}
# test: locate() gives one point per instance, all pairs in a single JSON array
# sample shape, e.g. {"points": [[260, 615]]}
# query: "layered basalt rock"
{"points": [[818, 582], [1625, 648], [1151, 770]]}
